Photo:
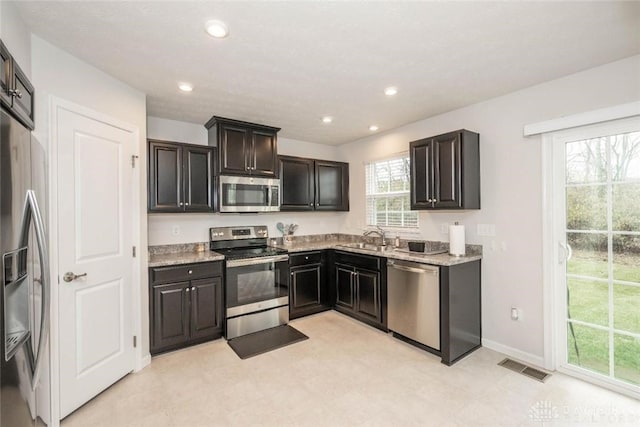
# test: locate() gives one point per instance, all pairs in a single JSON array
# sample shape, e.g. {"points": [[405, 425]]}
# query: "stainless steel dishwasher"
{"points": [[413, 301]]}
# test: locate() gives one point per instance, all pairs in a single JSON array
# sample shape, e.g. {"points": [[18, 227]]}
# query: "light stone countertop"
{"points": [[190, 253], [439, 259], [187, 257]]}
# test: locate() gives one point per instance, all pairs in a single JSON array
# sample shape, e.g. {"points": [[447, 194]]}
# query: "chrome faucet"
{"points": [[379, 232]]}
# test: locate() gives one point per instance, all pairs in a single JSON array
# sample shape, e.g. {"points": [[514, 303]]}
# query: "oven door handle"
{"points": [[256, 261]]}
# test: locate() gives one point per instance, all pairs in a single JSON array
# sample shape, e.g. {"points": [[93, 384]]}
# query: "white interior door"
{"points": [[597, 206], [95, 243]]}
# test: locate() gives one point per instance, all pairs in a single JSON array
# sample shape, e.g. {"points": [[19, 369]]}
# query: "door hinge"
{"points": [[134, 251], [133, 160], [135, 341]]}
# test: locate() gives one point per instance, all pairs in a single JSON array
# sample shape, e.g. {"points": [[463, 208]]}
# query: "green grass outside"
{"points": [[589, 303]]}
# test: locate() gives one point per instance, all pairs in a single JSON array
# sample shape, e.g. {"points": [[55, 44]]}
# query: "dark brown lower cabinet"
{"points": [[184, 311], [361, 288], [460, 310], [308, 292]]}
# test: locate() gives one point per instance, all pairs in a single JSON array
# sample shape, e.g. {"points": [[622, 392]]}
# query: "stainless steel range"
{"points": [[256, 279]]}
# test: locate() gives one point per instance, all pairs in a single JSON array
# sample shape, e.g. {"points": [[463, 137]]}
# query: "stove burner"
{"points": [[242, 242]]}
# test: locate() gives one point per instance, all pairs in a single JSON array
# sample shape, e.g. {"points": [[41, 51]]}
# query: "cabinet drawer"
{"points": [[305, 258], [185, 272], [364, 261]]}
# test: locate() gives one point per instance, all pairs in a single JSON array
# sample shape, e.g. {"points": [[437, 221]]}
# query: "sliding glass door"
{"points": [[597, 205]]}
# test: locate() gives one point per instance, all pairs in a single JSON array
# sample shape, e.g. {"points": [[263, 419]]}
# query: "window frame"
{"points": [[372, 197]]}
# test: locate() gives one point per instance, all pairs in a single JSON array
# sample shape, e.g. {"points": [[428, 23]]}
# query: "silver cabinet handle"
{"points": [[186, 204], [181, 204], [193, 288], [190, 271], [188, 289], [16, 93], [69, 276]]}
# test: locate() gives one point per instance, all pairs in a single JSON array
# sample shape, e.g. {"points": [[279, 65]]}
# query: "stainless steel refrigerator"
{"points": [[24, 298]]}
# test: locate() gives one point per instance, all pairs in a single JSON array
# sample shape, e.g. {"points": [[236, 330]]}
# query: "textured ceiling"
{"points": [[287, 64]]}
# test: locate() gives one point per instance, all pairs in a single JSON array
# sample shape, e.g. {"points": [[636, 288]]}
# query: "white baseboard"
{"points": [[522, 356], [143, 362]]}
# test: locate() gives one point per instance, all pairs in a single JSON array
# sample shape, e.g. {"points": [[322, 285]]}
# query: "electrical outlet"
{"points": [[444, 228], [515, 313], [175, 230], [486, 230]]}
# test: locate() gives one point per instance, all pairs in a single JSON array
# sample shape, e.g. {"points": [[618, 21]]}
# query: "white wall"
{"points": [[15, 35], [194, 227], [57, 73], [511, 180]]}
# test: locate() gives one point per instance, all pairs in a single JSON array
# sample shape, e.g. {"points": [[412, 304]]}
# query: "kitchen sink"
{"points": [[366, 246]]}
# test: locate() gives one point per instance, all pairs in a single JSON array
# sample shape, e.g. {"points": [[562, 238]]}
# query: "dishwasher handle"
{"points": [[417, 268]]}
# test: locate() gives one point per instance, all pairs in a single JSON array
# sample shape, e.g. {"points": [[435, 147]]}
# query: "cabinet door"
{"points": [[235, 147], [305, 289], [198, 179], [332, 186], [421, 174], [169, 317], [206, 308], [165, 177], [344, 287], [5, 75], [23, 100], [264, 151], [368, 295], [296, 184], [446, 169]]}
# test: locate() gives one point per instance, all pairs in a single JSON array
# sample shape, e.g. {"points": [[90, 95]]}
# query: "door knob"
{"points": [[69, 276]]}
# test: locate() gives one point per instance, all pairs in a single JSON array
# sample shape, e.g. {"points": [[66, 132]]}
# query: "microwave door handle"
{"points": [[32, 212], [268, 190]]}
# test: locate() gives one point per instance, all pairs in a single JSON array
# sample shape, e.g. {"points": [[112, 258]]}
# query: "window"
{"points": [[388, 202]]}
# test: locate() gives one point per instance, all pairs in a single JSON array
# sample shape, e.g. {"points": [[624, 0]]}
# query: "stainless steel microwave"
{"points": [[246, 194]]}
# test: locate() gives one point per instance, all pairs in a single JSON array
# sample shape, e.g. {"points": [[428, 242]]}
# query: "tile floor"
{"points": [[345, 374]]}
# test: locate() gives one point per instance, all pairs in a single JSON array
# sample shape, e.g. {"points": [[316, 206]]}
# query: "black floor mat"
{"points": [[263, 341]]}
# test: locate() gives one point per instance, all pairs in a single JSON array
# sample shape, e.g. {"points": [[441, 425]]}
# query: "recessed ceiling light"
{"points": [[327, 119], [390, 91], [373, 128], [217, 29], [185, 87]]}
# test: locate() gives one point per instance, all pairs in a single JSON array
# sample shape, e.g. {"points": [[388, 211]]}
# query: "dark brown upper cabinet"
{"points": [[244, 148], [181, 177], [309, 184], [16, 91], [445, 171], [5, 75]]}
